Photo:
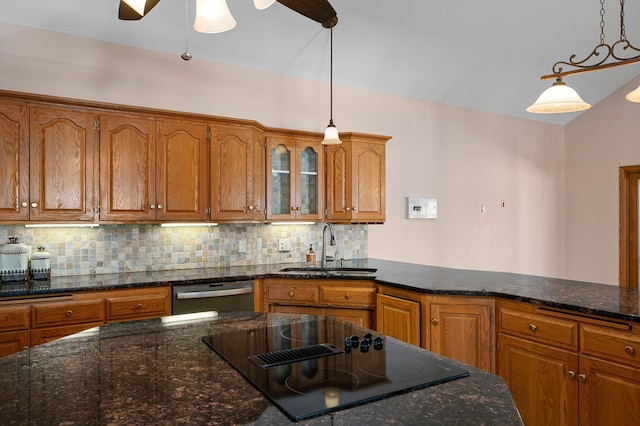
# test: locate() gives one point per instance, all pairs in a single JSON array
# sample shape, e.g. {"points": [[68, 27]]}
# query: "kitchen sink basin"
{"points": [[330, 270]]}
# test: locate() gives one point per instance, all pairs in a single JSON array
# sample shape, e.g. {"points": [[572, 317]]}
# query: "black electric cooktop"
{"points": [[342, 365]]}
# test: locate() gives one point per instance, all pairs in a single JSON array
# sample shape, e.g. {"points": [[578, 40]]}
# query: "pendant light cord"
{"points": [[331, 77]]}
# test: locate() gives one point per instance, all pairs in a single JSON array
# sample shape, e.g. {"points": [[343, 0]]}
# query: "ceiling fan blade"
{"points": [[128, 13], [317, 10]]}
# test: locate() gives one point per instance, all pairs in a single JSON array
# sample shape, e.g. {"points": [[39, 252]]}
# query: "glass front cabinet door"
{"points": [[296, 182]]}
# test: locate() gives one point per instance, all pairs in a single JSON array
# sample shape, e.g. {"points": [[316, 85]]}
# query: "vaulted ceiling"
{"points": [[484, 55]]}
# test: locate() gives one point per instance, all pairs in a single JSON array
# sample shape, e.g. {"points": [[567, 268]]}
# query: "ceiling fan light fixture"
{"points": [[213, 16], [133, 10], [558, 98], [263, 4]]}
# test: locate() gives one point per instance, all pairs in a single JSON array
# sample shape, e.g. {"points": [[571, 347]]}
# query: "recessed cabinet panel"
{"points": [[127, 158], [14, 161], [281, 181], [63, 145]]}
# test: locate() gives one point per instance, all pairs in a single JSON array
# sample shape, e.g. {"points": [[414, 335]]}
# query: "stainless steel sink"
{"points": [[337, 270]]}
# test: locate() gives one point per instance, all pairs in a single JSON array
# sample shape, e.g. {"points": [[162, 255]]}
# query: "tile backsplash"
{"points": [[136, 248]]}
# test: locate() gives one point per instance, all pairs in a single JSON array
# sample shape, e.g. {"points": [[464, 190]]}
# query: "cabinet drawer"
{"points": [[608, 343], [68, 312], [544, 328], [130, 307], [14, 317], [349, 296], [293, 293]]}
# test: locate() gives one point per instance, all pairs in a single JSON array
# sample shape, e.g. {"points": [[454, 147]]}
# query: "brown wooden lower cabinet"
{"points": [[30, 322], [398, 318], [565, 369]]}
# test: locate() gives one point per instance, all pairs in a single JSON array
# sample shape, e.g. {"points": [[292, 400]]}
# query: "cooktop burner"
{"points": [[371, 367]]}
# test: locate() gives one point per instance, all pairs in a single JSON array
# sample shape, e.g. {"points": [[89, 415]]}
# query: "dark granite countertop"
{"points": [[582, 297], [160, 373]]}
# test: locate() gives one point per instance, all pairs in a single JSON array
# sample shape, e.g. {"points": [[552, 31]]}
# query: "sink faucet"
{"points": [[332, 241]]}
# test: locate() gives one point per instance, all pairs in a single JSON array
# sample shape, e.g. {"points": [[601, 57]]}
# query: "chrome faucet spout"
{"points": [[332, 242]]}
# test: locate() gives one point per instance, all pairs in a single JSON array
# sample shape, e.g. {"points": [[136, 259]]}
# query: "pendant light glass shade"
{"points": [[558, 98], [331, 136], [263, 4], [213, 16], [634, 96]]}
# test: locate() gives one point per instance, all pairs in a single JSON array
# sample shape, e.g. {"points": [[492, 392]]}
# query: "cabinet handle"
{"points": [[629, 350], [571, 374], [582, 377], [297, 208], [290, 294], [348, 209], [138, 306], [34, 205], [159, 206], [354, 208], [435, 321], [251, 207], [68, 313], [347, 296], [293, 208], [152, 206], [24, 204], [533, 327]]}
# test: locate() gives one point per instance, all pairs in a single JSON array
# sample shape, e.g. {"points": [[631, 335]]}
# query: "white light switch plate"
{"points": [[284, 244]]}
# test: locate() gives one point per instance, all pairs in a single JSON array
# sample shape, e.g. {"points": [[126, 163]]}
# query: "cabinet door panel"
{"points": [[368, 184], [127, 174], [280, 178], [14, 161], [610, 391], [361, 317], [338, 183], [62, 157], [398, 318], [463, 331], [14, 341], [182, 170], [309, 196], [537, 376], [231, 166]]}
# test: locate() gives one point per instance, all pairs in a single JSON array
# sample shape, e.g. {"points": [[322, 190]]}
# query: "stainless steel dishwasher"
{"points": [[218, 296]]}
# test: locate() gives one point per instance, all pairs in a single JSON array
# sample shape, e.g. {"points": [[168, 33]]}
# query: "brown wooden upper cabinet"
{"points": [[48, 164], [237, 168], [152, 169], [295, 178], [356, 179], [14, 161]]}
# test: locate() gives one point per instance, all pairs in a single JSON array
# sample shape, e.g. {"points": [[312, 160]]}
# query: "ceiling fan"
{"points": [[317, 10]]}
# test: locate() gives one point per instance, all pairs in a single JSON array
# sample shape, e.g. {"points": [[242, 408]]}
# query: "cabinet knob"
{"points": [[629, 350], [251, 207], [34, 205], [297, 208], [571, 374], [152, 206], [24, 204], [347, 296], [582, 377], [159, 206], [138, 306], [435, 321], [348, 209], [533, 327], [290, 294], [68, 313], [354, 208], [293, 208]]}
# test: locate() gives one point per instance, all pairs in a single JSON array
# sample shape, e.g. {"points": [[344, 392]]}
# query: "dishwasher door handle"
{"points": [[214, 293]]}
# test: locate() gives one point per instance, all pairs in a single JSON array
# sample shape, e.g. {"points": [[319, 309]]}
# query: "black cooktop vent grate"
{"points": [[288, 356]]}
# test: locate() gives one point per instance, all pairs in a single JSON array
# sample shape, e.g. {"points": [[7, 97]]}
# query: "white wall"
{"points": [[597, 143], [465, 158]]}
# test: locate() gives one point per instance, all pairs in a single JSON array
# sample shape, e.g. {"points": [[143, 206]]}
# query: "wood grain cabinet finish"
{"points": [[584, 372], [67, 312], [14, 341], [399, 318], [152, 169], [356, 179], [14, 161], [295, 177], [237, 168], [350, 300], [133, 304], [63, 164]]}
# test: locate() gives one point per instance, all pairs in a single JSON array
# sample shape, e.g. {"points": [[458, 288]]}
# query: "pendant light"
{"points": [[562, 98], [331, 136], [213, 16]]}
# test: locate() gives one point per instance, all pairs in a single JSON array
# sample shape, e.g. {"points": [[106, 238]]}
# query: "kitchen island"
{"points": [[158, 371]]}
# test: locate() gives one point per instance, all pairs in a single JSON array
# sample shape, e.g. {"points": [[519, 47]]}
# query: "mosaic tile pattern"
{"points": [[138, 248]]}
